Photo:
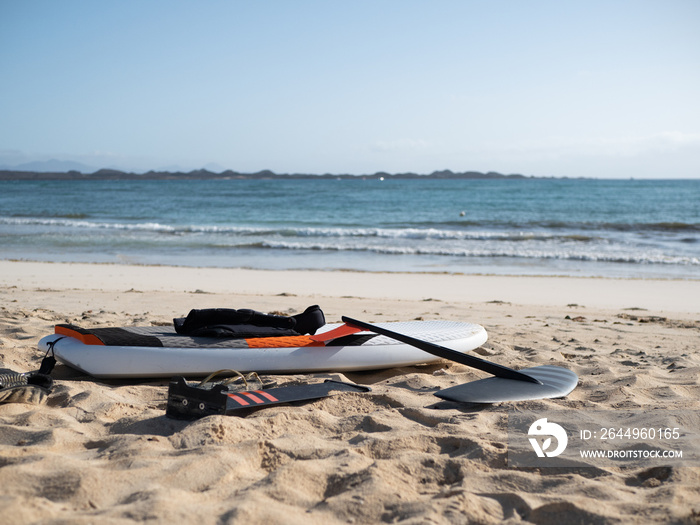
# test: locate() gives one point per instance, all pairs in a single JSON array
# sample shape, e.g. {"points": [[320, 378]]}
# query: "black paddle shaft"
{"points": [[446, 353]]}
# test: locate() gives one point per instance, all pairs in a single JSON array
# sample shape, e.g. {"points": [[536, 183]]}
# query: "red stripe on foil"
{"points": [[253, 397], [267, 396], [238, 399]]}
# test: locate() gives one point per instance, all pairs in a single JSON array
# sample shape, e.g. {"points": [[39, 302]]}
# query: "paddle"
{"points": [[446, 353]]}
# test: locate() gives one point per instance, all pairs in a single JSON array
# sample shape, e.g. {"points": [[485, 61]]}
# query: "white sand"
{"points": [[681, 296], [103, 451]]}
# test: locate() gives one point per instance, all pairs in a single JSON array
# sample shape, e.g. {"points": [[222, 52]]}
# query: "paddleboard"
{"points": [[157, 351]]}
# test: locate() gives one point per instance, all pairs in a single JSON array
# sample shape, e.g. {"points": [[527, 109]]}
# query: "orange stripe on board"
{"points": [[282, 342], [340, 331], [87, 339]]}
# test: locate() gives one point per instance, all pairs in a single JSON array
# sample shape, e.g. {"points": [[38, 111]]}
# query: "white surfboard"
{"points": [[196, 356]]}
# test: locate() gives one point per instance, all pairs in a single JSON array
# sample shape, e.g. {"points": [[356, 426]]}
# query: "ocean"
{"points": [[582, 227]]}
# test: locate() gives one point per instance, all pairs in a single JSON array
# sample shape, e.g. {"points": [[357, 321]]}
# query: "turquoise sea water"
{"points": [[630, 228]]}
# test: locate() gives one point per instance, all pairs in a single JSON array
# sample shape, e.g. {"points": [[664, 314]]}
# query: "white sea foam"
{"points": [[500, 251], [383, 233]]}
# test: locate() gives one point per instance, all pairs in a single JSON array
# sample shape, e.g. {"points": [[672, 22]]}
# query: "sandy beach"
{"points": [[103, 451]]}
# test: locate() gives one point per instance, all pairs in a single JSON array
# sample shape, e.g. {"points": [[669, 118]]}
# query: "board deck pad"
{"points": [[555, 382], [159, 351], [164, 337]]}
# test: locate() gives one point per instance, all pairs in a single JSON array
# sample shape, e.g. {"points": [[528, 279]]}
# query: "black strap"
{"points": [[49, 361]]}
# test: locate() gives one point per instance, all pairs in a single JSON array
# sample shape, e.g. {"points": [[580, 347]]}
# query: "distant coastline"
{"points": [[109, 174]]}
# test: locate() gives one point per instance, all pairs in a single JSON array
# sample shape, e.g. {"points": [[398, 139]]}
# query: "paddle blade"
{"points": [[555, 382]]}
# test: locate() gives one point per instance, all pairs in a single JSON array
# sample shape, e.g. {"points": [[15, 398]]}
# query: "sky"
{"points": [[579, 88]]}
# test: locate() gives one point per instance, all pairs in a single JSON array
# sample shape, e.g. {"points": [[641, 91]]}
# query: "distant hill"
{"points": [[51, 166], [77, 173]]}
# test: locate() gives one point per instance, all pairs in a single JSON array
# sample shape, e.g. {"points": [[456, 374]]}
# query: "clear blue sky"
{"points": [[598, 88]]}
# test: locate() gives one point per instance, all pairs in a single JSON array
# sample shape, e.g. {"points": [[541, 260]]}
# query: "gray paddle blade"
{"points": [[556, 382]]}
